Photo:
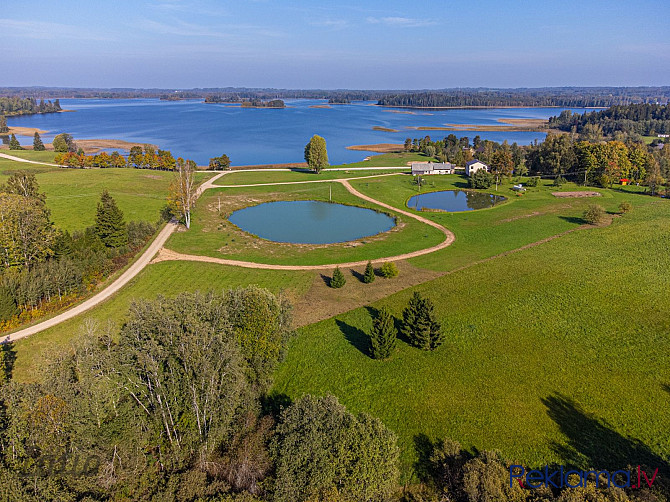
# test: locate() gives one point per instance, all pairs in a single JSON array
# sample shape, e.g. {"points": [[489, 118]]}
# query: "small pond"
{"points": [[453, 200], [310, 222]]}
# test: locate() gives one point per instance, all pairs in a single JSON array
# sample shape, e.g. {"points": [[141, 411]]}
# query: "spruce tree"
{"points": [[3, 124], [369, 275], [14, 143], [338, 280], [109, 224], [383, 335], [38, 146], [420, 325]]}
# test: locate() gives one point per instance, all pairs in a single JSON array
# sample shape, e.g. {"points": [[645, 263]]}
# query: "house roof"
{"points": [[474, 161]]}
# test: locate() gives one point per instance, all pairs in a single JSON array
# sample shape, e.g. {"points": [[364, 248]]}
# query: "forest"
{"points": [[542, 97], [15, 105], [641, 119]]}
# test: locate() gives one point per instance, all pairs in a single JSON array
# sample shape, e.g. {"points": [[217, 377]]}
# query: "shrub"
{"points": [[625, 207], [383, 335], [558, 181], [369, 275], [594, 214], [389, 270], [338, 280], [481, 179], [533, 181]]}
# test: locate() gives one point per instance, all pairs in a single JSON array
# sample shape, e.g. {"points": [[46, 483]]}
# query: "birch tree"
{"points": [[183, 191]]}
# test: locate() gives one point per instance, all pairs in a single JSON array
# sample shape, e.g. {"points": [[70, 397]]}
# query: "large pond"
{"points": [[453, 201], [310, 222]]}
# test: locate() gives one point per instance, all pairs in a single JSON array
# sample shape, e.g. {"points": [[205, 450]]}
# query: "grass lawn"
{"points": [[558, 353], [166, 278], [211, 234], [73, 194]]}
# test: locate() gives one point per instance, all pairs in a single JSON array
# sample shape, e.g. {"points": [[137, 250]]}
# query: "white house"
{"points": [[473, 166], [423, 168]]}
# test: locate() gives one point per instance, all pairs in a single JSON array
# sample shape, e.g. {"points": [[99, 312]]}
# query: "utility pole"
{"points": [[330, 195]]}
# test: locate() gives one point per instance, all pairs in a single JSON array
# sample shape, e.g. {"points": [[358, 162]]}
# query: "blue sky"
{"points": [[337, 44]]}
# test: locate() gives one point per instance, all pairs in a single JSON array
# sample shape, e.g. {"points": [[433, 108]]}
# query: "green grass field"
{"points": [[574, 329], [73, 194], [257, 177]]}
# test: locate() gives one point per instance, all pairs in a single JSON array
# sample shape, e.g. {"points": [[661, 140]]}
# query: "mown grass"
{"points": [[581, 319], [73, 194], [211, 234], [166, 278]]}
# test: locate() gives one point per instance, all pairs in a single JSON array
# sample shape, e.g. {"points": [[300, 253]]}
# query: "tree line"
{"points": [[636, 119], [15, 105], [43, 268], [551, 96]]}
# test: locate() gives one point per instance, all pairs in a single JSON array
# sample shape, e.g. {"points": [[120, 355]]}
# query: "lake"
{"points": [[454, 200], [310, 222], [197, 130]]}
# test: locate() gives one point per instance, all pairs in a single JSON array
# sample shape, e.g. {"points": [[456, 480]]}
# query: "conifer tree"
{"points": [[369, 275], [3, 124], [383, 335], [338, 280], [420, 325], [38, 146], [109, 223], [14, 143]]}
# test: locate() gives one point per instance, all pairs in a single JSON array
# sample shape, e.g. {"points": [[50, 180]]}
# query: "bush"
{"points": [[625, 207], [369, 275], [594, 214], [389, 270], [558, 181], [533, 181], [481, 179], [338, 280]]}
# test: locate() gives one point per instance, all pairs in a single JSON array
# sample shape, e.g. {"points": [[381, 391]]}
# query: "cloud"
{"points": [[334, 24], [402, 22], [47, 31], [184, 29]]}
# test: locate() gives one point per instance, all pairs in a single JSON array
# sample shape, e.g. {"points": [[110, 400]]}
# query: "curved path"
{"points": [[167, 254], [19, 159], [115, 286]]}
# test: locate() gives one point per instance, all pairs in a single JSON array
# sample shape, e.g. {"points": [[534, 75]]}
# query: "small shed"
{"points": [[424, 168]]}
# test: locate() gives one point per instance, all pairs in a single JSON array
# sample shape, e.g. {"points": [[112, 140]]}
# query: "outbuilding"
{"points": [[423, 168]]}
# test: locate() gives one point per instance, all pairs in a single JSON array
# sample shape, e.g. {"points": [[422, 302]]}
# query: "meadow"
{"points": [[558, 353]]}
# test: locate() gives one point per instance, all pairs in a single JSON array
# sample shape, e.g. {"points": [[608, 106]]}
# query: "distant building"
{"points": [[423, 168], [664, 135], [473, 166]]}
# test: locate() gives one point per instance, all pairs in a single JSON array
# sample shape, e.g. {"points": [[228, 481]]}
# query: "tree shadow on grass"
{"points": [[356, 337], [274, 402], [574, 219], [326, 279], [593, 443], [8, 359], [356, 274]]}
